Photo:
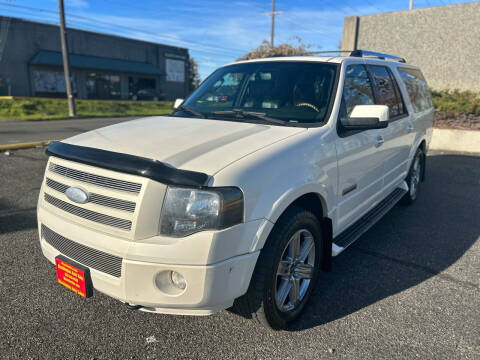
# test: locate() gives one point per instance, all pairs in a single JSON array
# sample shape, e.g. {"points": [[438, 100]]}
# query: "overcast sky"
{"points": [[215, 31]]}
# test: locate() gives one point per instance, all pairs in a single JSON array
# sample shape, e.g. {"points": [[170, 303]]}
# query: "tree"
{"points": [[285, 49], [193, 76]]}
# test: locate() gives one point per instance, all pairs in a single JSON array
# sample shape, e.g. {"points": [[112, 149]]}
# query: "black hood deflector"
{"points": [[129, 164]]}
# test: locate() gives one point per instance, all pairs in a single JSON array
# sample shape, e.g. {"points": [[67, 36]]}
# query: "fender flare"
{"points": [[325, 224]]}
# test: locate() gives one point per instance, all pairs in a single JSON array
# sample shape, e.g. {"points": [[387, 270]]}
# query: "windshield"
{"points": [[292, 93]]}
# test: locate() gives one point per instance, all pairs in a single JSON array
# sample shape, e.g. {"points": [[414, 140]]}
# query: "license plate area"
{"points": [[74, 276]]}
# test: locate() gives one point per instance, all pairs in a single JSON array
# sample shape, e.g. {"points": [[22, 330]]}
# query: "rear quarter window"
{"points": [[417, 89]]}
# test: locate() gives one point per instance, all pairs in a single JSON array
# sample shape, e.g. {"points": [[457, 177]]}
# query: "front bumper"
{"points": [[210, 287]]}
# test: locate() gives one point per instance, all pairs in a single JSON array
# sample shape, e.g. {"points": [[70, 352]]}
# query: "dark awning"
{"points": [[54, 58]]}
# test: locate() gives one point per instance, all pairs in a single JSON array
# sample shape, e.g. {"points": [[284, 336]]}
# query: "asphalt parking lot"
{"points": [[409, 288], [13, 132]]}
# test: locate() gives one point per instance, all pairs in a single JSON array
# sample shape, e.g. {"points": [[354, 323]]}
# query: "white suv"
{"points": [[241, 196]]}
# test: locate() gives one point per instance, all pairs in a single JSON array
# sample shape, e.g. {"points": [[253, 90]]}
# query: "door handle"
{"points": [[379, 141], [409, 127]]}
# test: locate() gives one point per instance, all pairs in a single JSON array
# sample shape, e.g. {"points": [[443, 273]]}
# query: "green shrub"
{"points": [[457, 102]]}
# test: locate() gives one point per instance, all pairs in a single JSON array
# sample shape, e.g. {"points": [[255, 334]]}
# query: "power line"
{"points": [[21, 14], [90, 20], [85, 25], [206, 48], [288, 18], [151, 35]]}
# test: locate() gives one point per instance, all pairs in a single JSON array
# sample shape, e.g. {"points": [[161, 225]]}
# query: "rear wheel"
{"points": [[286, 271], [414, 177]]}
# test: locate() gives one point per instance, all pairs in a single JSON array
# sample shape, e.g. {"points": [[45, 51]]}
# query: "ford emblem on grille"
{"points": [[77, 195]]}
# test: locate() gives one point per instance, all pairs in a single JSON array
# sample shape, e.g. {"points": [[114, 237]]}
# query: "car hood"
{"points": [[186, 143]]}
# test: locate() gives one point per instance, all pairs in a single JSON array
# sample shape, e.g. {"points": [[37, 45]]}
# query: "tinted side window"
{"points": [[402, 109], [417, 89], [386, 90], [357, 89]]}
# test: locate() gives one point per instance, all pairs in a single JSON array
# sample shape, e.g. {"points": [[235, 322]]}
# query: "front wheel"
{"points": [[286, 271], [414, 177]]}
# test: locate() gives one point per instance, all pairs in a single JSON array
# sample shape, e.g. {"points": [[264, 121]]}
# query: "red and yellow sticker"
{"points": [[71, 277]]}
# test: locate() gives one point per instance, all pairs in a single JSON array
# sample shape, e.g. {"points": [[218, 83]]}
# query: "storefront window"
{"points": [[103, 86], [143, 89], [49, 83], [175, 70]]}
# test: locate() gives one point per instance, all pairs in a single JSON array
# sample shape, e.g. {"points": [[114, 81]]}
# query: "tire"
{"points": [[414, 178], [271, 278]]}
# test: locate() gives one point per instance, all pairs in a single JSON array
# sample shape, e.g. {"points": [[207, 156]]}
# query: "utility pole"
{"points": [[411, 5], [272, 25], [66, 63]]}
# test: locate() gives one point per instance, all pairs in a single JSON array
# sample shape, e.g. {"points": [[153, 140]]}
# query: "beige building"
{"points": [[443, 41]]}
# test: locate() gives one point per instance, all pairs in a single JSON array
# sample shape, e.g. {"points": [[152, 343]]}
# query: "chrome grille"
{"points": [[96, 198], [111, 202], [88, 214], [96, 259], [55, 185], [95, 179]]}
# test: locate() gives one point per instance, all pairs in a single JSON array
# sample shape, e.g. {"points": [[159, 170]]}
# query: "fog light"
{"points": [[178, 280]]}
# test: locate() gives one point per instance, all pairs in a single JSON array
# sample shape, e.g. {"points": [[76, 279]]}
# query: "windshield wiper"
{"points": [[191, 111], [257, 115]]}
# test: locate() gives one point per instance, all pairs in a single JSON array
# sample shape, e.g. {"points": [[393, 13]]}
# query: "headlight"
{"points": [[186, 211]]}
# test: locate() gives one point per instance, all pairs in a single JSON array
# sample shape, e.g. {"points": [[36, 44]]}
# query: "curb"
{"points": [[460, 141], [25, 145]]}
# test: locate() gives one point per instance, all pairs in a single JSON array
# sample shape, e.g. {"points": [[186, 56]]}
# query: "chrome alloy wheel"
{"points": [[295, 270], [415, 176]]}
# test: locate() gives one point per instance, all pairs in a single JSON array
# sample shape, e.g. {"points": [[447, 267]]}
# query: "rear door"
{"points": [[359, 153], [398, 136], [421, 106]]}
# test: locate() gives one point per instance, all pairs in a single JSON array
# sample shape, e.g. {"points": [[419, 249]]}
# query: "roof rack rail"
{"points": [[329, 51], [363, 53]]}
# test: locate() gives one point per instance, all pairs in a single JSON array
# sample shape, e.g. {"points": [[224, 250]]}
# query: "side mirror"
{"points": [[177, 103], [365, 117]]}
